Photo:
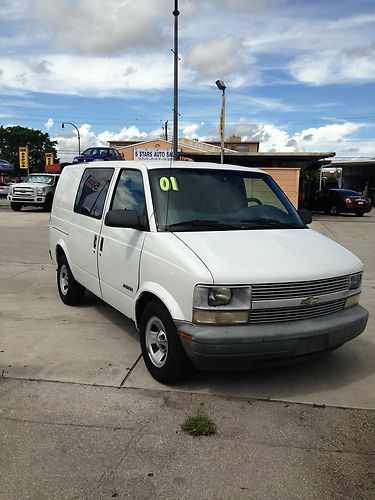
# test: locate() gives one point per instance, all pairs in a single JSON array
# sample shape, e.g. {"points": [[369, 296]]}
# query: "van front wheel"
{"points": [[162, 350], [70, 291]]}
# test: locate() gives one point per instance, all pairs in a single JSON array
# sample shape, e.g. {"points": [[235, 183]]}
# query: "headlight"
{"points": [[355, 281], [40, 190], [219, 296], [221, 304]]}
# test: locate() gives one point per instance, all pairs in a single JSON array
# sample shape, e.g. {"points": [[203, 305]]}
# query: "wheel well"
{"points": [[59, 252], [142, 302]]}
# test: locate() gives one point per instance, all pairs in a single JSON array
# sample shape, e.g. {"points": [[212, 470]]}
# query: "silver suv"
{"points": [[37, 190]]}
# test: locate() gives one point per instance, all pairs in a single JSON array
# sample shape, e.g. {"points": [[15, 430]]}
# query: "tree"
{"points": [[38, 143]]}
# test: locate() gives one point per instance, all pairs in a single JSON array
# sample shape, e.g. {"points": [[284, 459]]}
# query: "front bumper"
{"points": [[241, 347], [34, 200]]}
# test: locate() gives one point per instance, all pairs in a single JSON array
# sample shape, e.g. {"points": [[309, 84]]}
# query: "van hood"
{"points": [[270, 255]]}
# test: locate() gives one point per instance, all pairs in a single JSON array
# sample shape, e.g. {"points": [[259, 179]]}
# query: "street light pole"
{"points": [[79, 137], [221, 86], [175, 92]]}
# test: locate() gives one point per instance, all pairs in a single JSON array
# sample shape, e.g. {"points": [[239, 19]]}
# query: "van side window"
{"points": [[129, 193], [92, 192]]}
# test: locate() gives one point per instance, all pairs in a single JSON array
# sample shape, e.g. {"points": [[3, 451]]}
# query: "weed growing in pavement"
{"points": [[199, 425]]}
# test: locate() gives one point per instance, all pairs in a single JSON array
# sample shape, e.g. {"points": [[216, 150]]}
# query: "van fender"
{"points": [[61, 243], [163, 295]]}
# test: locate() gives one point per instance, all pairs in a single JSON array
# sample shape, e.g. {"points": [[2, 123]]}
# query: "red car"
{"points": [[336, 201]]}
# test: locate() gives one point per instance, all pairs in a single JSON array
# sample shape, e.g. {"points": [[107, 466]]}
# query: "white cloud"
{"points": [[333, 137], [216, 58], [338, 138], [94, 27], [265, 104], [67, 143], [125, 134], [49, 123], [99, 76], [246, 5], [353, 21], [355, 65], [13, 9], [190, 130]]}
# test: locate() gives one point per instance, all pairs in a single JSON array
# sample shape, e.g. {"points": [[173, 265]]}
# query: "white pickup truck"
{"points": [[37, 190]]}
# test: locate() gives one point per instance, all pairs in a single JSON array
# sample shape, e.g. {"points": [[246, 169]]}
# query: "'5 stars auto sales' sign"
{"points": [[152, 154]]}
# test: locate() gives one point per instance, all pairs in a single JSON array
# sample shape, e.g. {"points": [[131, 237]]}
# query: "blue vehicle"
{"points": [[6, 167], [98, 153]]}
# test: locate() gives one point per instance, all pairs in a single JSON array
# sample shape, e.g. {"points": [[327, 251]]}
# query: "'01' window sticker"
{"points": [[168, 184]]}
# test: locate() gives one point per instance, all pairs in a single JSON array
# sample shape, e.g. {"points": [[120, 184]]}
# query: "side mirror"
{"points": [[123, 218], [305, 215]]}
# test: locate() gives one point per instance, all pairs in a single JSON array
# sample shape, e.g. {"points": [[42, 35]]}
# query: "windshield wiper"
{"points": [[263, 221], [201, 223]]}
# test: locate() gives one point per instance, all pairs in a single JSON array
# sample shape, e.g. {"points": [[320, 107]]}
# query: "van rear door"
{"points": [[86, 224]]}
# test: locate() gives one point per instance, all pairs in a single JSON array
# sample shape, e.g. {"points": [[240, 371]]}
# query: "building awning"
{"points": [[303, 160]]}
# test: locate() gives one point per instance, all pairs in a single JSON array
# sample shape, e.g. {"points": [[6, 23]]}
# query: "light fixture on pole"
{"points": [[79, 137], [221, 86]]}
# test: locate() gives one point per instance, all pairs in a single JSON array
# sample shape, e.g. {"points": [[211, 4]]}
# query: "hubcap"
{"points": [[64, 280], [156, 341]]}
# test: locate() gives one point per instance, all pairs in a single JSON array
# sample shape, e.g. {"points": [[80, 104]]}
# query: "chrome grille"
{"points": [[295, 313], [276, 291], [24, 192]]}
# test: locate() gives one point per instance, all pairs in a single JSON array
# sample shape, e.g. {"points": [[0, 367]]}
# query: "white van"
{"points": [[212, 262]]}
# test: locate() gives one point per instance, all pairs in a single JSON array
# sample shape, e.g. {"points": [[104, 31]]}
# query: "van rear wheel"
{"points": [[70, 291], [162, 350]]}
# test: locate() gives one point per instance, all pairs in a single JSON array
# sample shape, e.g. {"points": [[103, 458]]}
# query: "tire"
{"points": [[334, 210], [47, 205], [15, 206], [359, 214], [162, 349], [70, 291]]}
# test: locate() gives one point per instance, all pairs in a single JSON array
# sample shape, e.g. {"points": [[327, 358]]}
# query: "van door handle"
{"points": [[95, 241], [101, 244]]}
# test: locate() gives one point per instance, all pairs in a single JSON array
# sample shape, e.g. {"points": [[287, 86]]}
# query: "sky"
{"points": [[300, 74]]}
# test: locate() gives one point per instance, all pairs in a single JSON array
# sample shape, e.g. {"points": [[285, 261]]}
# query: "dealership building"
{"points": [[286, 168]]}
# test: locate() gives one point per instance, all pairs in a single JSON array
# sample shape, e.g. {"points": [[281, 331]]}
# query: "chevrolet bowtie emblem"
{"points": [[310, 301]]}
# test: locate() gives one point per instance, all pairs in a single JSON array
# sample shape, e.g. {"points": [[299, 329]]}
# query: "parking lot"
{"points": [[93, 345], [45, 340]]}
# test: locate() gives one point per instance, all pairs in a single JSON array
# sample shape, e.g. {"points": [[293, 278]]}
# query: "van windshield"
{"points": [[213, 200]]}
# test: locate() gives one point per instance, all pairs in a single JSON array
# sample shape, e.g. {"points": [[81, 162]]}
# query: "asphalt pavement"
{"points": [[82, 418]]}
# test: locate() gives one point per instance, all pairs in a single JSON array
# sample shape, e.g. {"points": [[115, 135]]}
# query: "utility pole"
{"points": [[166, 130], [175, 99]]}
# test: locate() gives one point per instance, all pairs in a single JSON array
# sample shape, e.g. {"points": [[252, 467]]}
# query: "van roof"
{"points": [[152, 165]]}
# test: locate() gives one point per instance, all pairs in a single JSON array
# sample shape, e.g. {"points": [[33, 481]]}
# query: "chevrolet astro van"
{"points": [[212, 262]]}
